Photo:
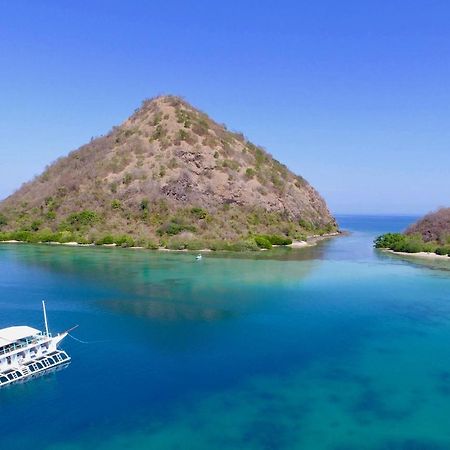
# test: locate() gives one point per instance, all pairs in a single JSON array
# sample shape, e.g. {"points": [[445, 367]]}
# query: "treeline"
{"points": [[252, 243], [411, 244]]}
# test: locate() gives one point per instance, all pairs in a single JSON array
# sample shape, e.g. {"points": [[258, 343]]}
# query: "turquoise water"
{"points": [[335, 347]]}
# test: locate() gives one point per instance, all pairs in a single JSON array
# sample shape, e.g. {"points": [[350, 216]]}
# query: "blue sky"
{"points": [[353, 95]]}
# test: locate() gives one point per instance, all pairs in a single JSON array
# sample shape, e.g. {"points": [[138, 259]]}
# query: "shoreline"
{"points": [[310, 242], [423, 255]]}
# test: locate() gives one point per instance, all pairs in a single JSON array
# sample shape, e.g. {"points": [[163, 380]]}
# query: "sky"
{"points": [[353, 95]]}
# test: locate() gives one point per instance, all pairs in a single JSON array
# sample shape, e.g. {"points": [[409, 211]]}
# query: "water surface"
{"points": [[334, 347]]}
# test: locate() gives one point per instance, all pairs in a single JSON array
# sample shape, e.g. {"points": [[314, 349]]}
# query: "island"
{"points": [[168, 177]]}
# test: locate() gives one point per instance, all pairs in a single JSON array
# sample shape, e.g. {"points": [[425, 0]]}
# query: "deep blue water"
{"points": [[333, 347]]}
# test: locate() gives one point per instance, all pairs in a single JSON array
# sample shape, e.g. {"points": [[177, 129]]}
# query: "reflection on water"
{"points": [[172, 286], [439, 264], [44, 374]]}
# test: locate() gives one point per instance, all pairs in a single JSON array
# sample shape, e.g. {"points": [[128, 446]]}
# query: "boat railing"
{"points": [[23, 343]]}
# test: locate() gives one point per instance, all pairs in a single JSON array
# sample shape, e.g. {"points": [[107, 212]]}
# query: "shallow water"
{"points": [[333, 347]]}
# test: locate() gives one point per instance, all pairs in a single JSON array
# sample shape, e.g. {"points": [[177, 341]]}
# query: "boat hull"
{"points": [[35, 366]]}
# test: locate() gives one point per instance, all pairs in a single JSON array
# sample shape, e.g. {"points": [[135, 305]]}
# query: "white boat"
{"points": [[26, 351]]}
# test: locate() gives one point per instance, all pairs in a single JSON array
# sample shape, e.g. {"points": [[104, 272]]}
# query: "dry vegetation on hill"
{"points": [[433, 227], [171, 175]]}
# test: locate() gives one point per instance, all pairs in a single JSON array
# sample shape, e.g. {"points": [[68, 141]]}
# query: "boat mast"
{"points": [[45, 318]]}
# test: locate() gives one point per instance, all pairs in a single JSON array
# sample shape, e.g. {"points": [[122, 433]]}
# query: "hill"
{"points": [[434, 226], [430, 234], [168, 175]]}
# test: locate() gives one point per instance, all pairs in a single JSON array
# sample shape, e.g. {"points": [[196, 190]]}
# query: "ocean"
{"points": [[336, 347]]}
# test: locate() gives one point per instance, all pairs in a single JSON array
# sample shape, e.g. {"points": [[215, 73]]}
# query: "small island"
{"points": [[169, 177], [430, 236]]}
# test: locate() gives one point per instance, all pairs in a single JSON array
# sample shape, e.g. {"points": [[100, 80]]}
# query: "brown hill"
{"points": [[168, 170], [434, 226]]}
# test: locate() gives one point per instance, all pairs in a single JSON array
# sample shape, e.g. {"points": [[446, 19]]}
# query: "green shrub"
{"points": [[35, 225], [306, 224], [250, 173], [443, 251], [5, 236], [82, 240], [116, 204], [66, 236], [171, 228], [143, 206], [174, 227], [183, 135], [238, 246], [51, 215], [159, 133], [196, 245], [429, 247], [260, 157], [278, 240], [390, 240], [25, 236], [83, 218], [262, 242], [218, 245], [243, 246], [412, 247], [33, 238], [199, 213], [124, 241], [151, 245], [183, 117], [175, 244], [105, 240]]}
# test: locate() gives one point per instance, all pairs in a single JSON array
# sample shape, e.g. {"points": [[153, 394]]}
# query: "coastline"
{"points": [[310, 242], [423, 255]]}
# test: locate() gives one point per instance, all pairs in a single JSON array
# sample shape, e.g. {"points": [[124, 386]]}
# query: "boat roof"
{"points": [[12, 334]]}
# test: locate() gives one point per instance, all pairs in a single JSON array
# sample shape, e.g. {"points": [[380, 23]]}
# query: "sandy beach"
{"points": [[426, 255]]}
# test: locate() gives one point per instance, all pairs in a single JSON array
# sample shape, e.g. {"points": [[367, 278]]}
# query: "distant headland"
{"points": [[429, 237]]}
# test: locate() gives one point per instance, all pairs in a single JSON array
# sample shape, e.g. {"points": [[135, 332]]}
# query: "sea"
{"points": [[333, 347]]}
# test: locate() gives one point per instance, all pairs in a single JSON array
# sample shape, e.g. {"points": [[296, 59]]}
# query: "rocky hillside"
{"points": [[168, 170], [433, 227]]}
